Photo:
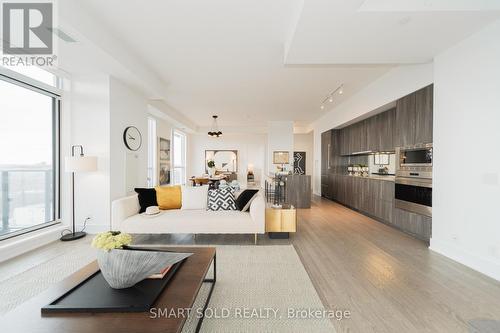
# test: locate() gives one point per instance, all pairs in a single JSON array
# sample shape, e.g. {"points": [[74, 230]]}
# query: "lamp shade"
{"points": [[81, 164]]}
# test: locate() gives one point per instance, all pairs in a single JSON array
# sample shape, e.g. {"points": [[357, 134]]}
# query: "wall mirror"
{"points": [[225, 160]]}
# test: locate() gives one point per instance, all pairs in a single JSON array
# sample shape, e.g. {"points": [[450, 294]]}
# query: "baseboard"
{"points": [[482, 265], [24, 243]]}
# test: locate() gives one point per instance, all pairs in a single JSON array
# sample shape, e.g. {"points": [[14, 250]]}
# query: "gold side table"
{"points": [[281, 221]]}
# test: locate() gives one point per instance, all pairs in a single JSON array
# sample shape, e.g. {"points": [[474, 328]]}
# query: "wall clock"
{"points": [[132, 138]]}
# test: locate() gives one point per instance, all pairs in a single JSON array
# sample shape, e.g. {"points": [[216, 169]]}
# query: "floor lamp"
{"points": [[76, 164]]}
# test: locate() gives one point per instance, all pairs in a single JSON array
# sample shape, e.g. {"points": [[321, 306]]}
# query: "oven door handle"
{"points": [[414, 182]]}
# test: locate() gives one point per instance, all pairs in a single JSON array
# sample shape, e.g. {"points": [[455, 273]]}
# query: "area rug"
{"points": [[258, 289]]}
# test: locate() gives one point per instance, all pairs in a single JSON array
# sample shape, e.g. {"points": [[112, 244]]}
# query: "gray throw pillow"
{"points": [[221, 199]]}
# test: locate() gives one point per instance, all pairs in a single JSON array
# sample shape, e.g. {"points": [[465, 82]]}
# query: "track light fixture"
{"points": [[214, 131], [330, 97]]}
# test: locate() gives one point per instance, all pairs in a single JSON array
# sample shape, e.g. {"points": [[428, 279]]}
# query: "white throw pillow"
{"points": [[194, 197]]}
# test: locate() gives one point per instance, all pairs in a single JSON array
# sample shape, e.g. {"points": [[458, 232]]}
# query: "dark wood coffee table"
{"points": [[180, 293]]}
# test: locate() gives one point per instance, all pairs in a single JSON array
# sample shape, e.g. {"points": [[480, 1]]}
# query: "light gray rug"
{"points": [[257, 288]]}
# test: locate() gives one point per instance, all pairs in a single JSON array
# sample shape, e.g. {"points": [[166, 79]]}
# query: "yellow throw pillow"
{"points": [[169, 197]]}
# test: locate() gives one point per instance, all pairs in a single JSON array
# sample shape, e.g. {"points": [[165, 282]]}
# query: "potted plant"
{"points": [[122, 266], [211, 167]]}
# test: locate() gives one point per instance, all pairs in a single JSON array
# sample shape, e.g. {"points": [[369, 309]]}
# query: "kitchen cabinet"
{"points": [[424, 113], [419, 226], [414, 114], [344, 141], [385, 130], [358, 137], [335, 160], [326, 138], [325, 163], [405, 132]]}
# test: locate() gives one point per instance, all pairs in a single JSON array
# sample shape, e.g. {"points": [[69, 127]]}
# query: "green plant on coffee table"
{"points": [[211, 164], [111, 240]]}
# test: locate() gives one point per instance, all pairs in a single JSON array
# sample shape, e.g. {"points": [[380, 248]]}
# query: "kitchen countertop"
{"points": [[376, 177]]}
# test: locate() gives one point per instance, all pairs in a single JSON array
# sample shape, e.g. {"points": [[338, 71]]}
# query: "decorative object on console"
{"points": [[75, 164], [214, 131], [132, 138], [221, 199], [250, 175], [211, 168], [281, 158], [169, 197], [147, 198], [299, 162], [245, 199], [164, 161], [122, 267], [235, 185]]}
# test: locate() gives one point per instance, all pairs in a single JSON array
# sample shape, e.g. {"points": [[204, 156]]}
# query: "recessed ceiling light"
{"points": [[341, 90], [330, 99], [322, 107]]}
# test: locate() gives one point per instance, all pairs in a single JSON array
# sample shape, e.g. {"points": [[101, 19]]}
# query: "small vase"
{"points": [[211, 172], [124, 268]]}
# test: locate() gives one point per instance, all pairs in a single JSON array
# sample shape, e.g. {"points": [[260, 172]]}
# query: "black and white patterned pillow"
{"points": [[221, 199]]}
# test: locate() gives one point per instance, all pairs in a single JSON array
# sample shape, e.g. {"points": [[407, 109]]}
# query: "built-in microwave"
{"points": [[416, 156]]}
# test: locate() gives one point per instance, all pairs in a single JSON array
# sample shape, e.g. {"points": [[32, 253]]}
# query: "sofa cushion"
{"points": [[245, 198], [180, 221], [147, 198], [169, 197], [221, 199], [194, 197]]}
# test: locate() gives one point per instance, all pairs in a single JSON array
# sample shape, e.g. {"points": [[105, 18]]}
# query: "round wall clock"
{"points": [[132, 138]]}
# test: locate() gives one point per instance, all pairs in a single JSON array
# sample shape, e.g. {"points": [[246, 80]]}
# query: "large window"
{"points": [[179, 158], [29, 157]]}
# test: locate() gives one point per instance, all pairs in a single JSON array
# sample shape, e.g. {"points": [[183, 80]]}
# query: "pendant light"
{"points": [[214, 131]]}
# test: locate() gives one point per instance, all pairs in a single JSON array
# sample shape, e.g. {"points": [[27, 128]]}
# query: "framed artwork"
{"points": [[164, 161], [281, 157], [299, 162]]}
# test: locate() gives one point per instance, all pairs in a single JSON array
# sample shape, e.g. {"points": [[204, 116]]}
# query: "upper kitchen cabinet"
{"points": [[357, 137], [424, 107], [405, 132], [344, 139], [413, 123], [380, 131]]}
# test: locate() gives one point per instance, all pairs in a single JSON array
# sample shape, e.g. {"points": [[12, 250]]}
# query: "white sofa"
{"points": [[192, 219]]}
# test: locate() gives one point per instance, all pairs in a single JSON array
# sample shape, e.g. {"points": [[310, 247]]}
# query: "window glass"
{"points": [[27, 159]]}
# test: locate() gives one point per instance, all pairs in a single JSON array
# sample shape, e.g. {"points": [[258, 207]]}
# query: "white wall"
{"points": [[280, 138], [90, 127], [251, 150], [466, 197], [128, 169], [391, 86], [305, 142]]}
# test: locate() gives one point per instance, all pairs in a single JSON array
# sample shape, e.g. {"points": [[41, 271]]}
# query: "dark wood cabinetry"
{"points": [[414, 114], [405, 121], [424, 113], [409, 123]]}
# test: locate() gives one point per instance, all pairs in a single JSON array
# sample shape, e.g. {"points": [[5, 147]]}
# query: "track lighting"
{"points": [[330, 97]]}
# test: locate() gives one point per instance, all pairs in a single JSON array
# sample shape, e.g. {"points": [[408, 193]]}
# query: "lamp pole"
{"points": [[79, 234]]}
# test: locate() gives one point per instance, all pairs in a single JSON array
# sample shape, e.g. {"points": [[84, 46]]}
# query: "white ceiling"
{"points": [[384, 31], [251, 61]]}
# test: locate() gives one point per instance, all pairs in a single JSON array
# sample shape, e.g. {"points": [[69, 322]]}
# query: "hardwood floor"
{"points": [[390, 282]]}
